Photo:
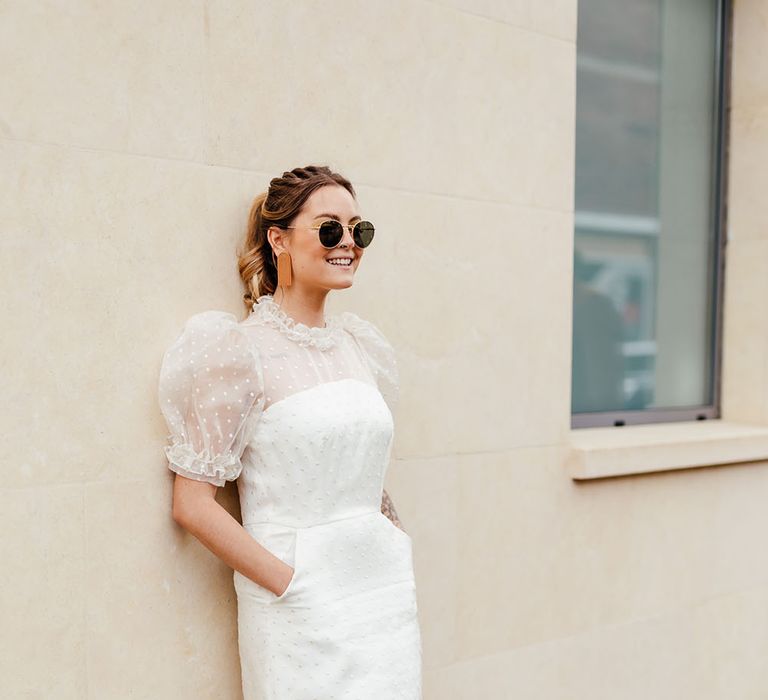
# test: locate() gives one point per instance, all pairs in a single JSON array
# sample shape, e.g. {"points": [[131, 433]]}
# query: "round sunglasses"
{"points": [[331, 232]]}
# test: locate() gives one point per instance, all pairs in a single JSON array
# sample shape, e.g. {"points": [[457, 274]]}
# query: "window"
{"points": [[649, 229]]}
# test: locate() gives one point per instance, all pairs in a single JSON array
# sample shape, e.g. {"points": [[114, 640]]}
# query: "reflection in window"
{"points": [[646, 222]]}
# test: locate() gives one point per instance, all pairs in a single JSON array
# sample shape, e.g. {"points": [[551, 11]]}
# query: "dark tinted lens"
{"points": [[330, 233], [363, 233]]}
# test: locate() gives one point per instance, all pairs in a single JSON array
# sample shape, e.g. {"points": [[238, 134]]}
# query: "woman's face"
{"points": [[309, 259]]}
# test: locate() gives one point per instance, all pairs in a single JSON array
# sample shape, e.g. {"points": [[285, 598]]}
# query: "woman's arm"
{"points": [[196, 510], [388, 508]]}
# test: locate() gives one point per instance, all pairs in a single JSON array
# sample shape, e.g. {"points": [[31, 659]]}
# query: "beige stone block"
{"points": [[111, 75], [555, 17], [426, 497], [660, 658], [515, 12], [749, 81], [745, 333], [433, 101], [542, 557], [731, 633], [727, 513], [519, 581], [747, 173], [161, 608], [479, 304], [43, 602], [101, 285]]}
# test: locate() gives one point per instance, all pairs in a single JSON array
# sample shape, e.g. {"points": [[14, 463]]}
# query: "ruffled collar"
{"points": [[268, 310]]}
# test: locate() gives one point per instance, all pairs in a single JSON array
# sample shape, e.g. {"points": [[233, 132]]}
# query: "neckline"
{"points": [[322, 337], [314, 388]]}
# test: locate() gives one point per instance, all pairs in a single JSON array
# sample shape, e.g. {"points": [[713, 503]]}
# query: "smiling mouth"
{"points": [[340, 263]]}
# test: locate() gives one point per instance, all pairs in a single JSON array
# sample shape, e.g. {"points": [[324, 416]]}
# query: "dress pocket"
{"points": [[282, 542]]}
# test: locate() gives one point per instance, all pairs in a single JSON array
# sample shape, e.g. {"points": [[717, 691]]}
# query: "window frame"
{"points": [[722, 79]]}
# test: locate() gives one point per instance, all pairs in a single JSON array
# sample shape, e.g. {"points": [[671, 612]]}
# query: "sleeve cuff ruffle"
{"points": [[200, 466]]}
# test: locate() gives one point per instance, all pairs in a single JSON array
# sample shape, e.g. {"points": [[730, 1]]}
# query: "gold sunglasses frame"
{"points": [[346, 226]]}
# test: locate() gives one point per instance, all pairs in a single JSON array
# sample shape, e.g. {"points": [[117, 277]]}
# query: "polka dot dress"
{"points": [[302, 418]]}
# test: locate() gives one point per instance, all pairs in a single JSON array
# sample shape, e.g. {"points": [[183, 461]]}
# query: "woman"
{"points": [[297, 406]]}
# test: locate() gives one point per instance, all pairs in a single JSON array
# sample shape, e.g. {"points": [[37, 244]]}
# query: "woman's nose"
{"points": [[348, 237]]}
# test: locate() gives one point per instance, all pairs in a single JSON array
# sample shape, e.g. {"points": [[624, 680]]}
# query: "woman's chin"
{"points": [[340, 284]]}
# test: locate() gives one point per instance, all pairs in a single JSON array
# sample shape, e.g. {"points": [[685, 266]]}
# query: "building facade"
{"points": [[553, 562]]}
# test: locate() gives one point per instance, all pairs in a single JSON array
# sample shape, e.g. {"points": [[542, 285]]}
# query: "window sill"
{"points": [[596, 453]]}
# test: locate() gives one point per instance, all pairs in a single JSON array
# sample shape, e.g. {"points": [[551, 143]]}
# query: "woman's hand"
{"points": [[285, 578]]}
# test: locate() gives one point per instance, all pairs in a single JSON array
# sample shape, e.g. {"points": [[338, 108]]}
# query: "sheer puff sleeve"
{"points": [[210, 393], [380, 356]]}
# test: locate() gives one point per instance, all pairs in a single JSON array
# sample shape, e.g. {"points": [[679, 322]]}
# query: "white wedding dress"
{"points": [[302, 417]]}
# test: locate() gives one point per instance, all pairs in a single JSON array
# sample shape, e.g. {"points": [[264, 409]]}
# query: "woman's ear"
{"points": [[275, 237]]}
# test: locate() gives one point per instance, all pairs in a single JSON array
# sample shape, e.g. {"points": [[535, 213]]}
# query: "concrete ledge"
{"points": [[596, 453]]}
